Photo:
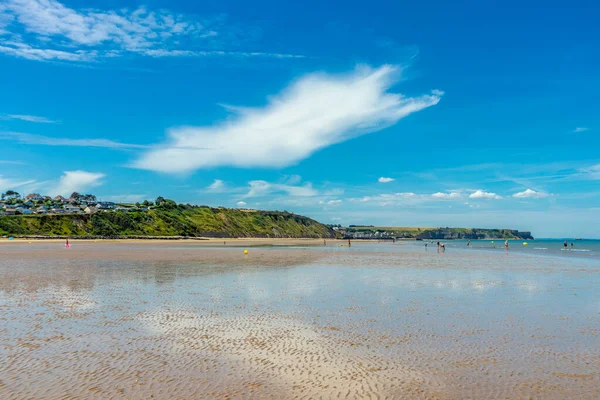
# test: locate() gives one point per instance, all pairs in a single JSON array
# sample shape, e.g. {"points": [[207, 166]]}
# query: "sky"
{"points": [[433, 113]]}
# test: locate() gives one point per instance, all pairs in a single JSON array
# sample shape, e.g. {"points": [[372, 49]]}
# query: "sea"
{"points": [[555, 247], [374, 320]]}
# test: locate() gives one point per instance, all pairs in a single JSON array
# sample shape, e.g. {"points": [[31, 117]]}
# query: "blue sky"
{"points": [[434, 113]]}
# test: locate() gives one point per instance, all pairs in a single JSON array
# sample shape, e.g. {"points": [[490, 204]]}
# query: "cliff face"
{"points": [[474, 234], [176, 221]]}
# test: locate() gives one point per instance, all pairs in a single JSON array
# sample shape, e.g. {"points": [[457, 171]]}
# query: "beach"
{"points": [[294, 319]]}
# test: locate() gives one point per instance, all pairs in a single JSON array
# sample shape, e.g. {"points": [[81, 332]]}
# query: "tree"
{"points": [[75, 196], [11, 195], [146, 203], [138, 204], [159, 200]]}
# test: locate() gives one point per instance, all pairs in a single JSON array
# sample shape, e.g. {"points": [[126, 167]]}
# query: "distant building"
{"points": [[90, 210], [105, 205], [23, 210], [34, 197], [60, 199], [71, 209], [8, 211]]}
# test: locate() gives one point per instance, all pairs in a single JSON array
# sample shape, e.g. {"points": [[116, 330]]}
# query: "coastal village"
{"points": [[12, 203]]}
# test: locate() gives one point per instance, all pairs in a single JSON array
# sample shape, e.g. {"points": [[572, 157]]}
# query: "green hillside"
{"points": [[176, 220]]}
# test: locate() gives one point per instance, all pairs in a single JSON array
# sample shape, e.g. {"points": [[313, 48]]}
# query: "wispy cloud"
{"points": [[335, 202], [480, 194], [315, 112], [592, 172], [46, 30], [241, 203], [530, 194], [261, 188], [72, 181], [216, 53], [385, 180], [28, 138], [11, 162], [12, 184], [217, 186], [29, 118], [445, 196], [580, 129]]}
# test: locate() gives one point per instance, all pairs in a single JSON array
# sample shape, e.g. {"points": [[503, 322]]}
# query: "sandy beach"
{"points": [[200, 319]]}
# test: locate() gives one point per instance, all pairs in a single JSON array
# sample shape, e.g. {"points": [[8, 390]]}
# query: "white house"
{"points": [[90, 210], [71, 209]]}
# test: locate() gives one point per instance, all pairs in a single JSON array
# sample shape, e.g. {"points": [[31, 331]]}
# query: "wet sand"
{"points": [[189, 320]]}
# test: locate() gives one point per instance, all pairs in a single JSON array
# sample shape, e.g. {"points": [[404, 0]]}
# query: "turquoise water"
{"points": [[585, 247], [387, 320]]}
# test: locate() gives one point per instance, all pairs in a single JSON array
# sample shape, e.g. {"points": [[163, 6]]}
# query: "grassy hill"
{"points": [[433, 233], [178, 220]]}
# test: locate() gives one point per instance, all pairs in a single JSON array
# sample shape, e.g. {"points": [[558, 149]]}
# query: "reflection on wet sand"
{"points": [[141, 321]]}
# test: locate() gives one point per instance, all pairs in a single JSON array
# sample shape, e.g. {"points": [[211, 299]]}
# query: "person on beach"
{"points": [[443, 247], [572, 246], [425, 246], [565, 244], [468, 243], [438, 244], [506, 244], [349, 244], [67, 245]]}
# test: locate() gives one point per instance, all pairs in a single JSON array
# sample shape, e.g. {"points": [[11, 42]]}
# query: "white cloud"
{"points": [[530, 194], [27, 138], [23, 50], [315, 112], [580, 129], [29, 118], [480, 194], [385, 180], [216, 53], [217, 186], [241, 203], [592, 172], [331, 202], [11, 184], [451, 195], [54, 31], [437, 92], [263, 188], [77, 181], [389, 199]]}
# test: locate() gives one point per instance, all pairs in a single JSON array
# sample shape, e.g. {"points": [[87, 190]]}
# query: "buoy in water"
{"points": [[525, 243], [245, 251]]}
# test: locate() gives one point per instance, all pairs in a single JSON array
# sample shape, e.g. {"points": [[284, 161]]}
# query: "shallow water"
{"points": [[373, 321]]}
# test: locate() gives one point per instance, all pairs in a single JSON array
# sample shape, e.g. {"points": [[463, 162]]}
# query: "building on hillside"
{"points": [[34, 197], [41, 210], [90, 210], [61, 199], [8, 211], [105, 205], [71, 209], [23, 210], [57, 210]]}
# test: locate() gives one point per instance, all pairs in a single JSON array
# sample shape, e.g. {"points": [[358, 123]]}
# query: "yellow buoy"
{"points": [[525, 243], [245, 251]]}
